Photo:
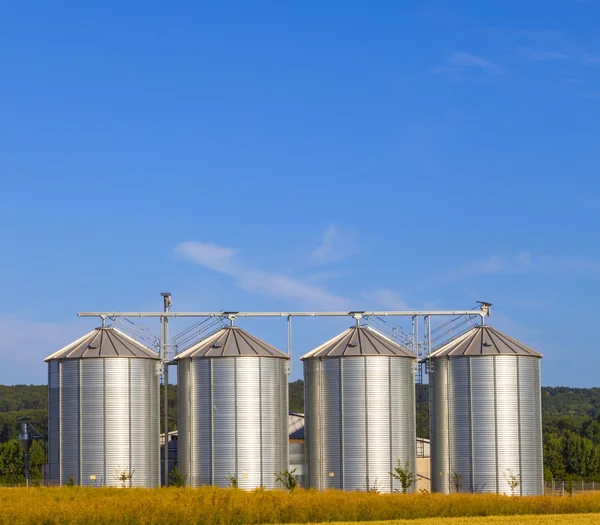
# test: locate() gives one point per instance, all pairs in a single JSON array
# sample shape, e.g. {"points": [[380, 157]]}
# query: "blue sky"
{"points": [[297, 156]]}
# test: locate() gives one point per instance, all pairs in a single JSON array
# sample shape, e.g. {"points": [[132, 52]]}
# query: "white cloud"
{"points": [[545, 56], [386, 299], [459, 62], [335, 246], [521, 263], [209, 255], [227, 261], [25, 344], [462, 59]]}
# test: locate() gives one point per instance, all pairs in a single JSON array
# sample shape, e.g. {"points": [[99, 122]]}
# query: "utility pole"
{"points": [[165, 357], [25, 437]]}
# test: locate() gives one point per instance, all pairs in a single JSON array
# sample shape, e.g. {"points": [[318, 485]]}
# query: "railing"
{"points": [[566, 487]]}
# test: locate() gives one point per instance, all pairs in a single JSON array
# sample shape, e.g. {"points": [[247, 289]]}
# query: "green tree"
{"points": [[11, 463], [36, 460], [404, 476], [553, 455]]}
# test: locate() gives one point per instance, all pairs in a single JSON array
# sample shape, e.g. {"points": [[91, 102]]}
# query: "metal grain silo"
{"points": [[485, 415], [359, 399], [233, 411], [104, 411]]}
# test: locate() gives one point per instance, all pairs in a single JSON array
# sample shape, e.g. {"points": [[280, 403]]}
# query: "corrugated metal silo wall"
{"points": [[360, 419], [53, 422], [104, 421], [233, 420], [486, 424]]}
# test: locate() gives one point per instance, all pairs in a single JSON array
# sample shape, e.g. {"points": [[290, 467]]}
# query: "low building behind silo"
{"points": [[103, 412], [233, 411], [359, 412], [485, 415]]}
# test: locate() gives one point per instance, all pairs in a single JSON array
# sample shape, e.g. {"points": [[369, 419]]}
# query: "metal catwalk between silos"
{"points": [[103, 412], [485, 415], [359, 412], [233, 410]]}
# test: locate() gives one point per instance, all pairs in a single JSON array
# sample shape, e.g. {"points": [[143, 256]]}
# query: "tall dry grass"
{"points": [[209, 505], [550, 519]]}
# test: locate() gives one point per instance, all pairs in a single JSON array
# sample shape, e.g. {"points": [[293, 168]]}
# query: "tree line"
{"points": [[570, 426]]}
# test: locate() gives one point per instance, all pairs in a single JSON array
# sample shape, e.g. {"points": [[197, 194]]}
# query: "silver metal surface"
{"points": [[367, 313], [53, 421], [484, 340], [486, 424], [233, 420], [103, 342], [165, 380], [231, 341], [103, 421], [358, 340], [359, 420]]}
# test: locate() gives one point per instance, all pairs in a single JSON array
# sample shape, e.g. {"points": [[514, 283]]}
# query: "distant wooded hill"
{"points": [[571, 422]]}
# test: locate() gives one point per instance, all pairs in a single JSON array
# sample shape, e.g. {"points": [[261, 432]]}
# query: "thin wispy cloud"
{"points": [[545, 56], [386, 299], [335, 246], [228, 261], [522, 263], [540, 45], [25, 344], [460, 61]]}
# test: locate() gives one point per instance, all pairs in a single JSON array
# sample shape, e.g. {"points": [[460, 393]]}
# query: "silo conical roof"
{"points": [[359, 340], [104, 342], [232, 341], [482, 341]]}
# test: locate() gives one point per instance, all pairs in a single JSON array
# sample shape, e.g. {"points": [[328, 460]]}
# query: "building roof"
{"points": [[104, 342], [232, 341], [356, 341], [482, 341], [296, 425]]}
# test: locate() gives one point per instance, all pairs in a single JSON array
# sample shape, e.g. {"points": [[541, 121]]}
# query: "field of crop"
{"points": [[209, 505]]}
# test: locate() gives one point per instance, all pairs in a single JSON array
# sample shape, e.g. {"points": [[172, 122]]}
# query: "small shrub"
{"points": [[288, 478], [232, 481], [177, 478], [570, 486], [71, 481], [374, 487], [513, 480], [124, 476], [404, 475], [455, 481]]}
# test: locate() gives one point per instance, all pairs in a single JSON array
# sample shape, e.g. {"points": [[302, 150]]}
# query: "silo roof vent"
{"points": [[484, 340], [104, 342], [232, 341], [359, 340]]}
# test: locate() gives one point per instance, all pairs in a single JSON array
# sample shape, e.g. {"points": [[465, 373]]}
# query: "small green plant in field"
{"points": [[124, 476], [570, 487], [404, 475], [71, 481], [513, 480], [232, 481], [374, 487], [455, 481], [177, 477], [288, 478]]}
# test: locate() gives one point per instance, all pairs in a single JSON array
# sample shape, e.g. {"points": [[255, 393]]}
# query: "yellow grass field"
{"points": [[549, 519], [209, 505]]}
